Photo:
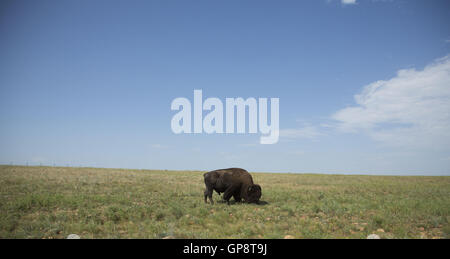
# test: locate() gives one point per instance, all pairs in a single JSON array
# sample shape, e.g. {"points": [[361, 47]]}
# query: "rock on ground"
{"points": [[373, 236], [73, 236]]}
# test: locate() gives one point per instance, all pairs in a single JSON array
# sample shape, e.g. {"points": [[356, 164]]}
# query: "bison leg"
{"points": [[228, 193], [237, 196], [208, 193]]}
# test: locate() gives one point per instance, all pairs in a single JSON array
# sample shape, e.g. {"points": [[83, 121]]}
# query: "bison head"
{"points": [[253, 193]]}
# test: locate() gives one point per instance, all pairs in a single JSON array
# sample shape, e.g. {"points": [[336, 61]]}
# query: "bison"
{"points": [[234, 182]]}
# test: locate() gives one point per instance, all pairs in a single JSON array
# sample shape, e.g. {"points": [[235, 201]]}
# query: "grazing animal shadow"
{"points": [[259, 203]]}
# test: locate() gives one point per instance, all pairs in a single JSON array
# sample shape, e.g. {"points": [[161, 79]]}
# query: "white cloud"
{"points": [[348, 1], [159, 146], [411, 109], [308, 132]]}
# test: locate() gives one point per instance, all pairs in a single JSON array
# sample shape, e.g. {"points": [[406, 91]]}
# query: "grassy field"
{"points": [[53, 202]]}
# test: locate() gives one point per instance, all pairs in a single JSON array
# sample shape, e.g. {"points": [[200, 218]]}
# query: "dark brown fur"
{"points": [[234, 182]]}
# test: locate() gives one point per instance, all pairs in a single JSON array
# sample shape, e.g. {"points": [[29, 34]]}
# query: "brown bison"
{"points": [[234, 182]]}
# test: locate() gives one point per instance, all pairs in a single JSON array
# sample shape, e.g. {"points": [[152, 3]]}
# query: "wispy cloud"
{"points": [[346, 2], [159, 146], [411, 109], [306, 132]]}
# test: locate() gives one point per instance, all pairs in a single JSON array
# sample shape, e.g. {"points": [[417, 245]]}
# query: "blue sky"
{"points": [[364, 86]]}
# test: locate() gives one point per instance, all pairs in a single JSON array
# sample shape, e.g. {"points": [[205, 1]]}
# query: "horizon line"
{"points": [[251, 171]]}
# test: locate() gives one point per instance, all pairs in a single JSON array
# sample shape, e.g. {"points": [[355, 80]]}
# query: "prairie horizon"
{"points": [[254, 171]]}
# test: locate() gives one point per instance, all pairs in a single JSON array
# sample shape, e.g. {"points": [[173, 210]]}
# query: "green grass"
{"points": [[53, 202]]}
